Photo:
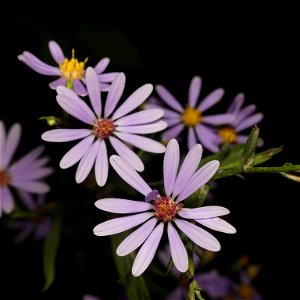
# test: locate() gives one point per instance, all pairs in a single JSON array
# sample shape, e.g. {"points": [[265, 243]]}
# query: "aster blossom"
{"points": [[25, 174], [243, 118], [160, 210], [71, 71], [192, 117], [116, 126], [38, 224]]}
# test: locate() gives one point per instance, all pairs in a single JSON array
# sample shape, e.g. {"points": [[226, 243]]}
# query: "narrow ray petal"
{"points": [[204, 212], [208, 138], [102, 65], [128, 174], [147, 251], [192, 140], [65, 135], [101, 165], [56, 52], [173, 132], [220, 119], [198, 235], [211, 99], [249, 122], [178, 251], [218, 225], [168, 98], [144, 129], [121, 224], [93, 88], [194, 90], [137, 238]]}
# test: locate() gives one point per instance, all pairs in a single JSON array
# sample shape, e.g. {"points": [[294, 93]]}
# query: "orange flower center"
{"points": [[191, 116], [228, 135], [103, 128], [4, 178], [166, 208]]}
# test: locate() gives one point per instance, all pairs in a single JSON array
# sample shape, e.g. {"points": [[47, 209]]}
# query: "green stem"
{"points": [[235, 171], [191, 271]]}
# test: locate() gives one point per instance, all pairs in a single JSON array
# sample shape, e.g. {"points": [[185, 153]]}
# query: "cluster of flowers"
{"points": [[110, 123]]}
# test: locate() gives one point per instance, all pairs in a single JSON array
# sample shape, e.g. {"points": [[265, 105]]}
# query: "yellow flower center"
{"points": [[103, 128], [4, 178], [191, 116], [72, 69], [228, 135], [165, 208]]}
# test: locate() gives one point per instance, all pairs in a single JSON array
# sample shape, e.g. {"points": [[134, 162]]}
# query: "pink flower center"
{"points": [[166, 208], [4, 178], [104, 128]]}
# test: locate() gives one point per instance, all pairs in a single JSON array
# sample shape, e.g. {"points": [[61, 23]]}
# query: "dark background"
{"points": [[246, 50]]}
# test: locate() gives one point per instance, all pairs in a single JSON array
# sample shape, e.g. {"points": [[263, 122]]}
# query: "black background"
{"points": [[246, 50]]}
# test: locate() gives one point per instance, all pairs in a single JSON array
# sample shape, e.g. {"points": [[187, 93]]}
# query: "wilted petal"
{"points": [[87, 162], [168, 98], [101, 165], [76, 153], [178, 251], [218, 225], [114, 94], [56, 52], [133, 101], [127, 154], [170, 167], [198, 235], [147, 251], [128, 174], [211, 99], [93, 88], [121, 224], [141, 142], [172, 132], [201, 177], [194, 90], [65, 135], [188, 168], [204, 212], [122, 206], [141, 117], [137, 238], [144, 129]]}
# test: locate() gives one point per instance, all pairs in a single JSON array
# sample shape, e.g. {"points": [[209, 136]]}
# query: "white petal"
{"points": [[144, 129], [121, 224], [147, 251], [122, 206], [127, 154], [141, 142], [170, 167], [133, 101], [65, 135], [203, 212], [188, 168], [198, 235], [101, 165], [87, 162], [140, 117], [76, 153], [128, 174], [137, 238], [201, 177], [178, 251], [218, 225]]}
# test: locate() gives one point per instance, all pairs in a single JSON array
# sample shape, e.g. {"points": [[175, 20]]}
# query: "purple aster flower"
{"points": [[71, 71], [219, 286], [200, 127], [164, 210], [38, 224], [243, 119], [109, 124], [25, 174]]}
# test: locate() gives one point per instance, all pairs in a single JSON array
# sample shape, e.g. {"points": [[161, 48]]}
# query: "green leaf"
{"points": [[266, 155], [50, 251], [248, 156], [135, 287]]}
